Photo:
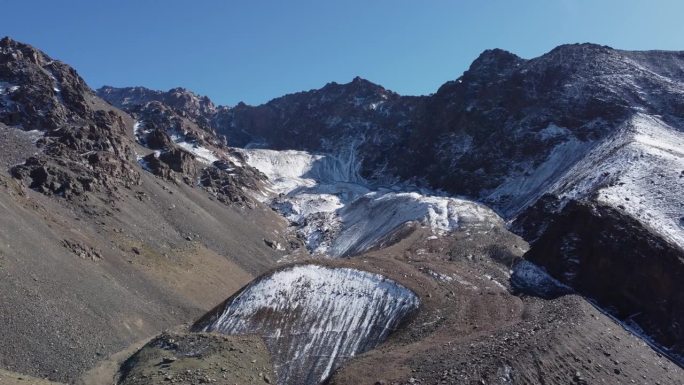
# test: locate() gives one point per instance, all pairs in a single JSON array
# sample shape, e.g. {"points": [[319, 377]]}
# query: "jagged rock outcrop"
{"points": [[313, 318], [501, 132], [232, 184], [172, 162], [84, 146], [176, 124], [183, 102], [39, 93]]}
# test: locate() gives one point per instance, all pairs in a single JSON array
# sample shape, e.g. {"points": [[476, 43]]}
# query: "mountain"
{"points": [[358, 235], [535, 139], [96, 252], [499, 133]]}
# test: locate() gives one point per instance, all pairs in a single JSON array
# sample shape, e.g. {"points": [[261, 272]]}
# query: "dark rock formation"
{"points": [[84, 147], [610, 257], [185, 103], [231, 184]]}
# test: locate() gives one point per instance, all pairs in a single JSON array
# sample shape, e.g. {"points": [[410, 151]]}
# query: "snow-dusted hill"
{"points": [[314, 318], [639, 170], [612, 226]]}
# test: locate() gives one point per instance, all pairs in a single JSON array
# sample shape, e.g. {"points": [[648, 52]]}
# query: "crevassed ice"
{"points": [[338, 213], [313, 318]]}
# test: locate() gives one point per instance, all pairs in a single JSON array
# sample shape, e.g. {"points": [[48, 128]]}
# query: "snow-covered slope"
{"points": [[313, 318], [524, 187], [338, 213], [639, 170]]}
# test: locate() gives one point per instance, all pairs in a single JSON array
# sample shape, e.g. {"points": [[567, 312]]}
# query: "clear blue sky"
{"points": [[254, 50]]}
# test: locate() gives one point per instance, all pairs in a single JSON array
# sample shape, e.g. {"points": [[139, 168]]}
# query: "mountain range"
{"points": [[523, 224]]}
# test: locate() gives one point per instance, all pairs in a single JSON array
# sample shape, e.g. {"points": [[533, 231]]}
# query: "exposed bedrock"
{"points": [[313, 318], [610, 257]]}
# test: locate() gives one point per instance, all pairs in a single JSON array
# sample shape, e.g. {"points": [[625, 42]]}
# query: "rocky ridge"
{"points": [[96, 252]]}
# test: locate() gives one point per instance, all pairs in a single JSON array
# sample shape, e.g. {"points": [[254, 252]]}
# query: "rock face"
{"points": [[179, 100], [37, 92], [175, 124], [502, 133], [84, 146], [611, 257], [314, 318]]}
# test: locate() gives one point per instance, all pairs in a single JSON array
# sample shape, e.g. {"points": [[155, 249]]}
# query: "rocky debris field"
{"points": [[471, 329], [199, 358], [10, 378]]}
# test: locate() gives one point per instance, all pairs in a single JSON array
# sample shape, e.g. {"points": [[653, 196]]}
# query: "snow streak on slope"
{"points": [[201, 153], [639, 170], [338, 213], [313, 318], [6, 90], [523, 189]]}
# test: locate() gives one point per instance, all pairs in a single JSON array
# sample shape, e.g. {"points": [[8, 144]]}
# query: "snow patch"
{"points": [[6, 89], [202, 154], [139, 131], [552, 131], [534, 280]]}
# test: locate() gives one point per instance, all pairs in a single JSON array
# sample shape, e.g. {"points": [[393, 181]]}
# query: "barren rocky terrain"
{"points": [[520, 226]]}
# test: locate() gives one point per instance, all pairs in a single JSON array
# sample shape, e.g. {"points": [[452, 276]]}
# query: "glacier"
{"points": [[338, 213], [313, 318]]}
